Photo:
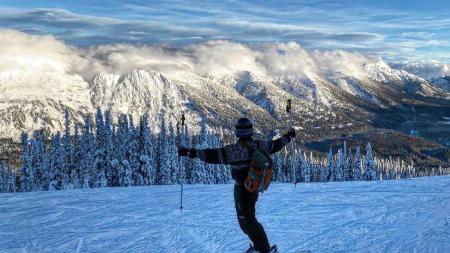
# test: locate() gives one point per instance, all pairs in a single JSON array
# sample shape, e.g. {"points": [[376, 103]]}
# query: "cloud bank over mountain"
{"points": [[428, 70], [219, 58]]}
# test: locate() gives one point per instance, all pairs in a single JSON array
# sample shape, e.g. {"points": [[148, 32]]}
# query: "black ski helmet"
{"points": [[244, 128]]}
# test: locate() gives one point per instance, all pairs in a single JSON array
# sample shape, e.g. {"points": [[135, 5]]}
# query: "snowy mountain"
{"points": [[325, 105], [379, 216], [32, 101]]}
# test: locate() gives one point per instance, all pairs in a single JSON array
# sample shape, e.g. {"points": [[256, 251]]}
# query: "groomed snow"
{"points": [[389, 216]]}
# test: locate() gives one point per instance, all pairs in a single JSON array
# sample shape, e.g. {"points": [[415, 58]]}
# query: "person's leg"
{"points": [[245, 208]]}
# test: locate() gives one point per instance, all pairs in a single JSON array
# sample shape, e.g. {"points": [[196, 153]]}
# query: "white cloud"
{"points": [[217, 58], [431, 69], [20, 51]]}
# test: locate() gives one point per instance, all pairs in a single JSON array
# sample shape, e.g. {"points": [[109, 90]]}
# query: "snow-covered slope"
{"points": [[383, 216]]}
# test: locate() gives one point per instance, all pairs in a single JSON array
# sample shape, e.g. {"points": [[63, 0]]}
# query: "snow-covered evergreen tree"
{"points": [[121, 164], [39, 161], [88, 173], [67, 154], [357, 167], [349, 166], [163, 164], [288, 165], [134, 153], [2, 177], [369, 171], [344, 165], [26, 172], [340, 163], [10, 183], [111, 175], [306, 168], [296, 164], [56, 163], [147, 153], [101, 154], [77, 153], [278, 167], [330, 170], [172, 155]]}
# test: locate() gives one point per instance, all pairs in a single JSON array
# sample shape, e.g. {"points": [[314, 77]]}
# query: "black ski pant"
{"points": [[245, 202]]}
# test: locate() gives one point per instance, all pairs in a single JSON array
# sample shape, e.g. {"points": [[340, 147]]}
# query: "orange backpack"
{"points": [[260, 172]]}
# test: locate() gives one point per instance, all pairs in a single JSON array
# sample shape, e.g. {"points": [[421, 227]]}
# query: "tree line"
{"points": [[101, 154]]}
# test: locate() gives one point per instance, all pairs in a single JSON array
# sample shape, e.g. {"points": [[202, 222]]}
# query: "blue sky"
{"points": [[396, 30]]}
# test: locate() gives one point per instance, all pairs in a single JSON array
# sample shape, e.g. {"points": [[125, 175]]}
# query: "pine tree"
{"points": [[39, 161], [296, 173], [56, 163], [173, 155], [147, 157], [344, 164], [357, 168], [288, 166], [121, 163], [330, 171], [2, 177], [349, 165], [67, 155], [163, 166], [306, 168], [134, 153], [101, 180], [369, 172], [87, 159], [102, 160], [340, 166], [278, 166], [26, 172], [110, 174], [188, 163], [10, 180], [77, 152]]}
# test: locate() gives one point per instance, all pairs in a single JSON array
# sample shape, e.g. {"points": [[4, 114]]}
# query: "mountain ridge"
{"points": [[324, 106]]}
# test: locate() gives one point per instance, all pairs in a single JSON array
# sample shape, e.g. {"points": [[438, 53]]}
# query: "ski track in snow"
{"points": [[390, 216]]}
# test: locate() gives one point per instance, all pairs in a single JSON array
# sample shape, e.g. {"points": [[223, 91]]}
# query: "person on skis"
{"points": [[238, 155]]}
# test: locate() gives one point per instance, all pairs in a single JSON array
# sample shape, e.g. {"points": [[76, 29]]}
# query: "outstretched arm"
{"points": [[209, 155]]}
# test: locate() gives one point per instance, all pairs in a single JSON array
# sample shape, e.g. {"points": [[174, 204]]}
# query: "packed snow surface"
{"points": [[384, 216]]}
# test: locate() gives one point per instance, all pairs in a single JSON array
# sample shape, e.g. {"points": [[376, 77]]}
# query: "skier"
{"points": [[238, 155]]}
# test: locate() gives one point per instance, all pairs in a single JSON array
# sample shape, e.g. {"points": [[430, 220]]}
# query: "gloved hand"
{"points": [[290, 134], [187, 152]]}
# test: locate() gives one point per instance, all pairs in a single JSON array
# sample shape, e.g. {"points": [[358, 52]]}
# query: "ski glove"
{"points": [[290, 134], [191, 152]]}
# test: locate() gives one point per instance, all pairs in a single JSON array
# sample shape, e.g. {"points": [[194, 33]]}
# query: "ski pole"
{"points": [[289, 111], [182, 161], [181, 143]]}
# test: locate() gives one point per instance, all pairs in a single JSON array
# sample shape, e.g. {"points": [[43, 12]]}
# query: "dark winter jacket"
{"points": [[239, 156]]}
